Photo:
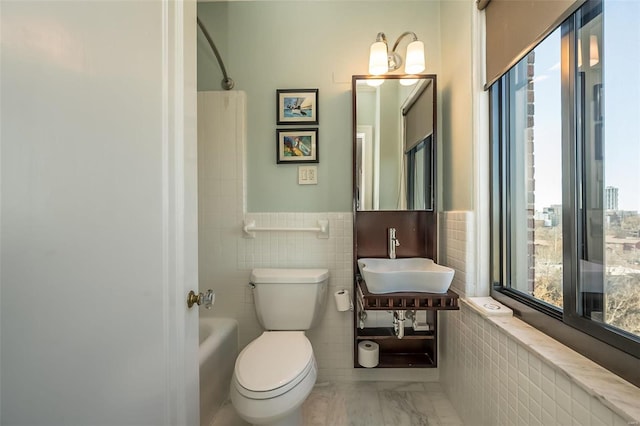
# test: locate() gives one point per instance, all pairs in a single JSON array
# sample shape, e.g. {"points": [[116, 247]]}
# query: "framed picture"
{"points": [[297, 145], [297, 106]]}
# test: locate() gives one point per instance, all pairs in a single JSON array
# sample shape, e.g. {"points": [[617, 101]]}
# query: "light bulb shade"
{"points": [[579, 53], [594, 53], [414, 62], [378, 58], [375, 83], [408, 81]]}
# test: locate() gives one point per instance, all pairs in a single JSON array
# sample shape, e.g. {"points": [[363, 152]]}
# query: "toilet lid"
{"points": [[273, 360]]}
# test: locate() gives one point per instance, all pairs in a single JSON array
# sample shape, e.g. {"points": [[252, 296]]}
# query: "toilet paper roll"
{"points": [[368, 353], [343, 300]]}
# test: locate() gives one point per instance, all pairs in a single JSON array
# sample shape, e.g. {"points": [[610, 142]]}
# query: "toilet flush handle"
{"points": [[207, 299]]}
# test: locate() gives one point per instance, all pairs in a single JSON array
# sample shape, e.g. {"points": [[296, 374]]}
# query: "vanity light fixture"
{"points": [[382, 61]]}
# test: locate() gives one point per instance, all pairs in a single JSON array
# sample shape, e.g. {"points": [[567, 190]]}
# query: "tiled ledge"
{"points": [[615, 393]]}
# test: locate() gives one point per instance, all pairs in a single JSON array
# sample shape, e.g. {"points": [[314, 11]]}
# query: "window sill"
{"points": [[614, 392]]}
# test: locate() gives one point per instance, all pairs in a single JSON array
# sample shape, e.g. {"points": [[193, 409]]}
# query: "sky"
{"points": [[622, 100], [621, 108], [547, 123]]}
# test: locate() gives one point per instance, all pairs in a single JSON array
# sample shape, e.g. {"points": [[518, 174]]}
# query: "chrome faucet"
{"points": [[393, 243]]}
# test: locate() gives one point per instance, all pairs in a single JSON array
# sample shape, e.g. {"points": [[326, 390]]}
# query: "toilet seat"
{"points": [[273, 363], [249, 394]]}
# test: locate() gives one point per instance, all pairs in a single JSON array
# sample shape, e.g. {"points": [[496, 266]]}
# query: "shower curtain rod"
{"points": [[227, 83]]}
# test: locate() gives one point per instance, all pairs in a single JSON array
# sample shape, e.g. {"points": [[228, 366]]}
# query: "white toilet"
{"points": [[275, 373]]}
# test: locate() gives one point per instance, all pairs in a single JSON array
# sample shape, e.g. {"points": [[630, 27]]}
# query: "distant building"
{"points": [[553, 213], [542, 219], [611, 198], [549, 216]]}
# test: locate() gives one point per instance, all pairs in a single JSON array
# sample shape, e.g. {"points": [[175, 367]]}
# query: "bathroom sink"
{"points": [[415, 274]]}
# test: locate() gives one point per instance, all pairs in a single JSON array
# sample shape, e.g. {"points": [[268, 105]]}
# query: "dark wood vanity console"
{"points": [[416, 231], [415, 348], [413, 301], [408, 204]]}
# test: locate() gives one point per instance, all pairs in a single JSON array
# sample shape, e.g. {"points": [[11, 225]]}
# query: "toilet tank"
{"points": [[289, 299]]}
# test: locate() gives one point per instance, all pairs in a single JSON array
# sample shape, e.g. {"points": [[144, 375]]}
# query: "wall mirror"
{"points": [[394, 138]]}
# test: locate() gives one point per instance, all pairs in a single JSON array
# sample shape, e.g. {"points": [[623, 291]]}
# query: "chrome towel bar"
{"points": [[249, 229]]}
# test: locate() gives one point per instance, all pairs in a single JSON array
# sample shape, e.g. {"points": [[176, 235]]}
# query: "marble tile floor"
{"points": [[368, 404]]}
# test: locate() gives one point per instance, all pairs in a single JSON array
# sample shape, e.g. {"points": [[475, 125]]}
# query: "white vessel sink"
{"points": [[415, 274]]}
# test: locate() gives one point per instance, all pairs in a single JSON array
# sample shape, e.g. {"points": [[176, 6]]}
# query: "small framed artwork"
{"points": [[297, 106], [297, 145]]}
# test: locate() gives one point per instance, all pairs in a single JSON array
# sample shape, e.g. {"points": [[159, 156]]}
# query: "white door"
{"points": [[98, 213]]}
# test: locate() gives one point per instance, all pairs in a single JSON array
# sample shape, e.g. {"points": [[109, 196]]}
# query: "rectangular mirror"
{"points": [[394, 136]]}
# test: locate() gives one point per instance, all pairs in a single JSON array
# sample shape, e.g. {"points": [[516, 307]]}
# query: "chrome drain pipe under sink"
{"points": [[398, 323]]}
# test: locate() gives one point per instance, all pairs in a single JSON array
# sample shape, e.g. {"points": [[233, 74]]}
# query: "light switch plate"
{"points": [[307, 175]]}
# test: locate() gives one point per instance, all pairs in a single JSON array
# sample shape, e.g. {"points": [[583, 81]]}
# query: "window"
{"points": [[532, 107], [566, 180], [420, 175]]}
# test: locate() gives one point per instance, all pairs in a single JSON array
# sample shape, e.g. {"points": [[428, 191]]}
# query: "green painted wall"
{"points": [[455, 87], [269, 45]]}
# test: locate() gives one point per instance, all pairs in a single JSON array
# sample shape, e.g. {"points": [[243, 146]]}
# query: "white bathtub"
{"points": [[218, 352]]}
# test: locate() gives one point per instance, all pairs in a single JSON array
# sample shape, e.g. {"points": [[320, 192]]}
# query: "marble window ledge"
{"points": [[614, 392]]}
